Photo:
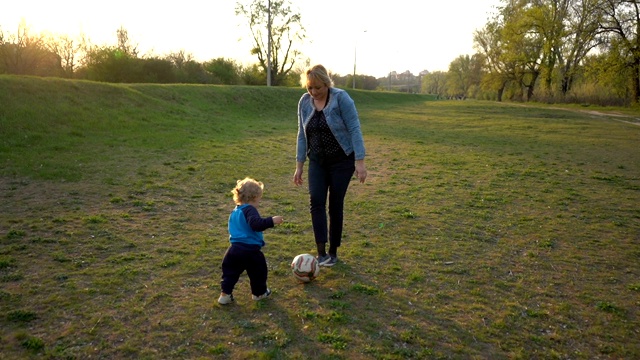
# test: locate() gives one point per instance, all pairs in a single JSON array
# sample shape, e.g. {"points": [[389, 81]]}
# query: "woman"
{"points": [[329, 135]]}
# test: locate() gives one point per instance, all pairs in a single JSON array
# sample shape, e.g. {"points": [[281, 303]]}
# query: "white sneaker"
{"points": [[263, 296], [225, 299]]}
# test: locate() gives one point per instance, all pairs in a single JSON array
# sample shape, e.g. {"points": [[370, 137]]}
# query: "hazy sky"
{"points": [[400, 35]]}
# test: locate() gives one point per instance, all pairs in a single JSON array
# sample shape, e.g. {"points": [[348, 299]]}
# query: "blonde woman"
{"points": [[329, 135]]}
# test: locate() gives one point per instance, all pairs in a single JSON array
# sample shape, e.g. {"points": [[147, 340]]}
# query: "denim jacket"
{"points": [[342, 118]]}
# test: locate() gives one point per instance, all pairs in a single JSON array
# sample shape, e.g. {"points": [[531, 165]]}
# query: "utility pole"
{"points": [[269, 43], [355, 50]]}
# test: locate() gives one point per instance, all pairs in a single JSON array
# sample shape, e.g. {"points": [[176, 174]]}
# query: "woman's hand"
{"points": [[297, 176], [361, 171]]}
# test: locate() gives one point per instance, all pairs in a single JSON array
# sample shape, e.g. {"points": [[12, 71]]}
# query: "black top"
{"points": [[322, 142]]}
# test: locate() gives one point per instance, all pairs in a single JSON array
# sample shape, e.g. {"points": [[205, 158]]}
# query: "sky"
{"points": [[413, 35]]}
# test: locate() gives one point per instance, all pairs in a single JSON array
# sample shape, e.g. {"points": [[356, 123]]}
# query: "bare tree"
{"points": [[68, 50], [286, 32], [180, 58], [26, 54], [124, 44]]}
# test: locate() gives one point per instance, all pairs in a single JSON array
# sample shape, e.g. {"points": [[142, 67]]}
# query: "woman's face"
{"points": [[317, 89]]}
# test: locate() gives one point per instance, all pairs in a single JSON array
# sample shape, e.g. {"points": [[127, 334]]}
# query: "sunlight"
{"points": [[409, 35], [52, 19]]}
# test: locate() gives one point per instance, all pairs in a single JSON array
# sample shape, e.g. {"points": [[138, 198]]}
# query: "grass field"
{"points": [[484, 230]]}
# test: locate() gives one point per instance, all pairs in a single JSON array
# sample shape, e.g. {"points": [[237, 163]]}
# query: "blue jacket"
{"points": [[246, 225], [342, 118]]}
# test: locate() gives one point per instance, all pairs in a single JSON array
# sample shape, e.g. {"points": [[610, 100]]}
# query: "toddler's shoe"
{"points": [[225, 299], [263, 296]]}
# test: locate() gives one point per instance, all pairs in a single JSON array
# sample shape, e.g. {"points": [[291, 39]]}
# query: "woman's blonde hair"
{"points": [[316, 72], [247, 190]]}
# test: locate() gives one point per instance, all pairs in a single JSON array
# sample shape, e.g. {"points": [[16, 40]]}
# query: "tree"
{"points": [[224, 71], [121, 64], [621, 22], [156, 70], [604, 80], [528, 39], [124, 44], [253, 75], [67, 50], [286, 32], [435, 83], [464, 76], [546, 22], [26, 54], [499, 69], [581, 36], [179, 59], [188, 70], [114, 64], [109, 64], [364, 82], [476, 73], [458, 77], [368, 82], [523, 43]]}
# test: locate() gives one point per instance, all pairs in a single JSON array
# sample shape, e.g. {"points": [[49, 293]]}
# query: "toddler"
{"points": [[245, 236]]}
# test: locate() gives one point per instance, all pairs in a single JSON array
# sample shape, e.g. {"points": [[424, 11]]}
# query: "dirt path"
{"points": [[629, 119]]}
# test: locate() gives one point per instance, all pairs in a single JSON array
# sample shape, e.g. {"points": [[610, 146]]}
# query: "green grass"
{"points": [[484, 230]]}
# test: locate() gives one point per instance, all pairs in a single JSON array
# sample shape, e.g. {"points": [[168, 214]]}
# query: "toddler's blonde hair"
{"points": [[247, 190]]}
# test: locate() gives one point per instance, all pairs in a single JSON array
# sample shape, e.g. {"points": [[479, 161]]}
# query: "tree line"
{"points": [[581, 51], [23, 53]]}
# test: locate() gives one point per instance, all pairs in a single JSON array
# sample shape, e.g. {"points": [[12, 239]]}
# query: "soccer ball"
{"points": [[305, 267]]}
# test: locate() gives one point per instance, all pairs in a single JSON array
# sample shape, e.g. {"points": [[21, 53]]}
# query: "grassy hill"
{"points": [[484, 230]]}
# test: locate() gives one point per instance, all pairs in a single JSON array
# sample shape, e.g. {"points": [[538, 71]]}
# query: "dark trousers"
{"points": [[241, 257], [329, 179]]}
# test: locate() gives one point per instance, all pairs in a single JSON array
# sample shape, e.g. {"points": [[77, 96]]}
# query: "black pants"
{"points": [[329, 179], [241, 257]]}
